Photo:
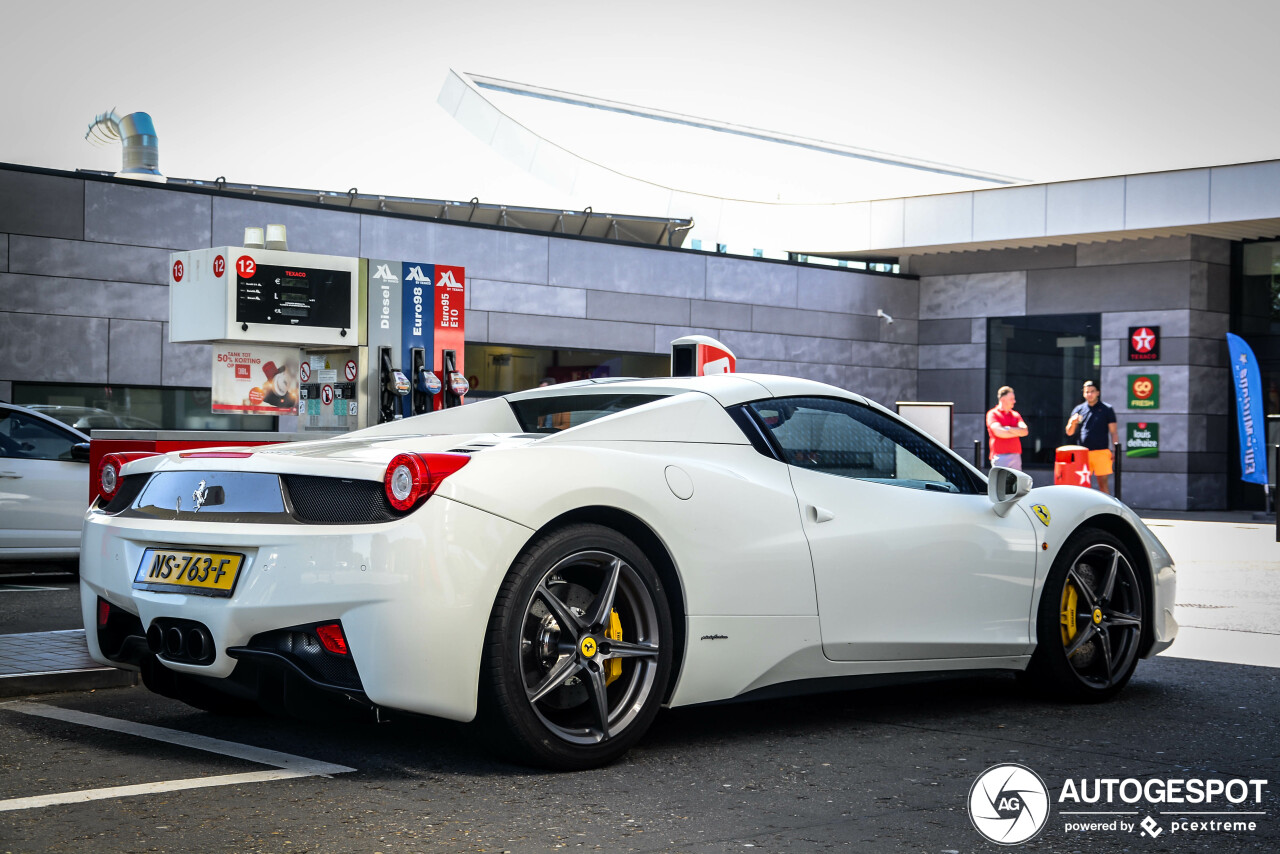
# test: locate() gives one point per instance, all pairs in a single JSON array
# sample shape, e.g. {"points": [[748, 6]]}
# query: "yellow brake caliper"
{"points": [[1068, 615], [613, 667]]}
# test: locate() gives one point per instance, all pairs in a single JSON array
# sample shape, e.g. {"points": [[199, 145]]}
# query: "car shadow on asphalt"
{"points": [[1185, 696]]}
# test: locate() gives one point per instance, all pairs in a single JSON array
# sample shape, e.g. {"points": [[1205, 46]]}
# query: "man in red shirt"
{"points": [[1006, 428]]}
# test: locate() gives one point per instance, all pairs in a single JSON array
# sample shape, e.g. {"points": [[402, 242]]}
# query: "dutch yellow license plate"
{"points": [[179, 571]]}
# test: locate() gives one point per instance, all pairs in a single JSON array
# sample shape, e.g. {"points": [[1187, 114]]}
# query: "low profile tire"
{"points": [[1089, 624], [578, 651]]}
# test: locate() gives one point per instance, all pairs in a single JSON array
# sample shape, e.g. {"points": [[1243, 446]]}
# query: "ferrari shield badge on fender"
{"points": [[1042, 513]]}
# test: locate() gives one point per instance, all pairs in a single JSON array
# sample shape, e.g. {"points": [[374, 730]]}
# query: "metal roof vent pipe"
{"points": [[137, 135]]}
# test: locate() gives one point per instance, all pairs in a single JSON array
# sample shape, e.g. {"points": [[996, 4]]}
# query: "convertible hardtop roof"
{"points": [[727, 389]]}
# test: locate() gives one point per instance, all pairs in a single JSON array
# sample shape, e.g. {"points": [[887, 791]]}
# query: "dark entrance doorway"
{"points": [[1046, 359]]}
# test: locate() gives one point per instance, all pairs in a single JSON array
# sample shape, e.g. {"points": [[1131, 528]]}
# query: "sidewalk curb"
{"points": [[20, 685]]}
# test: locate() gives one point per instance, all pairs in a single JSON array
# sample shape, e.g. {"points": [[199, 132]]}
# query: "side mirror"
{"points": [[80, 452], [1005, 487]]}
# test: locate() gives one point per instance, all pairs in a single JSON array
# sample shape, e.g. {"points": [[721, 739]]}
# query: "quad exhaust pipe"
{"points": [[184, 641]]}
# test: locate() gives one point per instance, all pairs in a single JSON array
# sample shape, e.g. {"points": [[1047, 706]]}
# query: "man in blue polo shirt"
{"points": [[1097, 424]]}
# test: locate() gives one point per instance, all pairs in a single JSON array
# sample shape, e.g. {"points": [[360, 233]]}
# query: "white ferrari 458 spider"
{"points": [[559, 563]]}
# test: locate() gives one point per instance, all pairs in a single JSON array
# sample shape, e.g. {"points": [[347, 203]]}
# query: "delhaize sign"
{"points": [[1142, 439], [255, 379]]}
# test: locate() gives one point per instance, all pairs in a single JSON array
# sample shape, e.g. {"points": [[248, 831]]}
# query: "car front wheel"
{"points": [[1089, 625], [579, 649]]}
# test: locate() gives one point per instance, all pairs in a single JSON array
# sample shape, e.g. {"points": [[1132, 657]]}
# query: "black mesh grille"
{"points": [[337, 501], [130, 486], [301, 645]]}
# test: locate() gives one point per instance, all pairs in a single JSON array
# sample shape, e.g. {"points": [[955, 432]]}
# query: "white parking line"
{"points": [[26, 588], [287, 766]]}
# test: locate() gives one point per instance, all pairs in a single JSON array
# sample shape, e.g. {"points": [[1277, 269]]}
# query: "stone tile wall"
{"points": [[84, 272], [1178, 284]]}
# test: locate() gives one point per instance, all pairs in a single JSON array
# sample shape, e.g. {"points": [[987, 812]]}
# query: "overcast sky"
{"points": [[331, 95]]}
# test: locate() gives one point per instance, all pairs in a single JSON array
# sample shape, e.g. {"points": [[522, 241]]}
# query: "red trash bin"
{"points": [[1069, 462]]}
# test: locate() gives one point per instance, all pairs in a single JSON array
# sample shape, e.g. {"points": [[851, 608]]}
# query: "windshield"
{"points": [[552, 414]]}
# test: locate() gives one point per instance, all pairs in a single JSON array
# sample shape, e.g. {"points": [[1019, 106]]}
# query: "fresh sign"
{"points": [[1144, 391]]}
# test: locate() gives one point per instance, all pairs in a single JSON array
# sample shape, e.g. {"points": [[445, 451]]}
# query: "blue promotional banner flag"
{"points": [[1247, 380]]}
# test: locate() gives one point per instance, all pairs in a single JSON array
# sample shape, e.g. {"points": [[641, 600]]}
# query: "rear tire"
{"points": [[1090, 620], [578, 651]]}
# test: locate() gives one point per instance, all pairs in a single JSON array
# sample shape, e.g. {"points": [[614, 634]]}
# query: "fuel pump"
{"points": [[455, 384], [700, 355], [415, 311], [393, 385], [285, 328], [450, 335], [421, 394], [427, 384], [340, 343]]}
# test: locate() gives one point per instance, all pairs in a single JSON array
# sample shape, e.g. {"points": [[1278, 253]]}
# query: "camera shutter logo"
{"points": [[1009, 804]]}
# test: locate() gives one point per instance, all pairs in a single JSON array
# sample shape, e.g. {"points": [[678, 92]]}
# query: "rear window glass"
{"points": [[560, 412]]}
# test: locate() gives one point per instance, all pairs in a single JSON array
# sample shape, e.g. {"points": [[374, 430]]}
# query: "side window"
{"points": [[849, 440], [31, 439]]}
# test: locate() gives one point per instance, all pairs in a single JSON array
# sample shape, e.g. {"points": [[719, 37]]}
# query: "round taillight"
{"points": [[405, 480], [109, 477]]}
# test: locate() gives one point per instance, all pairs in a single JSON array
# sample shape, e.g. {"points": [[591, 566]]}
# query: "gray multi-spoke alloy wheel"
{"points": [[1090, 620], [579, 649]]}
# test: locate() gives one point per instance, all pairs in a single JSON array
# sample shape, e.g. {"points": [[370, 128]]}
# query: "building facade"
{"points": [[84, 273], [1038, 288]]}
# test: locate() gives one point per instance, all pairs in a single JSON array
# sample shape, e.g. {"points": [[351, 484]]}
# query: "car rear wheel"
{"points": [[579, 650], [1090, 620]]}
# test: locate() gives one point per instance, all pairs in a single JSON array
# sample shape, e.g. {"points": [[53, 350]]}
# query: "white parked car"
{"points": [[92, 418], [564, 561], [44, 486]]}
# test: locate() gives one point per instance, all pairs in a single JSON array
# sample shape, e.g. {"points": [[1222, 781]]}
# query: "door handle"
{"points": [[12, 474], [818, 514]]}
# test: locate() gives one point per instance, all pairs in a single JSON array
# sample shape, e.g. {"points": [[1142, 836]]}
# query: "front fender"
{"points": [[1070, 508]]}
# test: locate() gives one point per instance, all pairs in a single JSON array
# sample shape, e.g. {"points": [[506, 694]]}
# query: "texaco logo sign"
{"points": [[1144, 343]]}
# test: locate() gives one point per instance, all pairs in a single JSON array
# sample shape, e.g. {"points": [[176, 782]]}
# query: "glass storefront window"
{"points": [[495, 370], [117, 407], [1256, 314], [1046, 359]]}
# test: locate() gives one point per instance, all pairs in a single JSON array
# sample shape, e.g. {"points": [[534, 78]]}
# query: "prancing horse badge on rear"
{"points": [[201, 493]]}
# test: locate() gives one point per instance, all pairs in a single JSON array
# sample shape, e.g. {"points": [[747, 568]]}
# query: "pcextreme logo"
{"points": [[1010, 804]]}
